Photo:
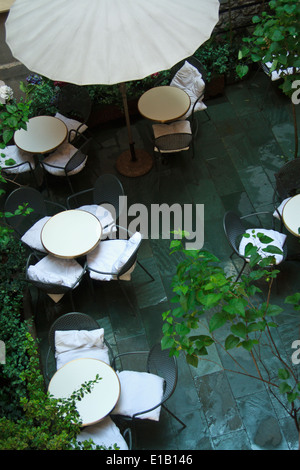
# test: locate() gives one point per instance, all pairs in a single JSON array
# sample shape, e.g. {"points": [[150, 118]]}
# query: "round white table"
{"points": [[164, 103], [43, 134], [71, 233], [291, 215], [104, 395]]}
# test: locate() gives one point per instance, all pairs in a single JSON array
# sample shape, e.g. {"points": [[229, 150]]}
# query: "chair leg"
{"points": [[147, 272], [174, 416], [240, 273]]}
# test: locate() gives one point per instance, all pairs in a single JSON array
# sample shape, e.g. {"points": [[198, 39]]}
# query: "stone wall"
{"points": [[240, 12]]}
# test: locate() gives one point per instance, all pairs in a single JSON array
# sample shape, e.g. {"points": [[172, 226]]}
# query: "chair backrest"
{"points": [[74, 321], [34, 200], [160, 362], [173, 142], [288, 179], [79, 157], [130, 262], [108, 189], [74, 102], [193, 61], [233, 228]]}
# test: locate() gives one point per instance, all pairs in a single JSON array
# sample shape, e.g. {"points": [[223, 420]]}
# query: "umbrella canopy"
{"points": [[106, 42]]}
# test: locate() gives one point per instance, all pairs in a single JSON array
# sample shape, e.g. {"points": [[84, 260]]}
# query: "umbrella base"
{"points": [[133, 168]]}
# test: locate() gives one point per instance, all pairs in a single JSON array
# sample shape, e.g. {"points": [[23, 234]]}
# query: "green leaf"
{"points": [[9, 162], [284, 387], [249, 343], [277, 35], [239, 329], [7, 135], [182, 329], [167, 342], [192, 360], [217, 320], [274, 310], [242, 70], [231, 342], [283, 374]]}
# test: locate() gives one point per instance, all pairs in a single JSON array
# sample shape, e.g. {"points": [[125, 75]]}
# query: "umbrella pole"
{"points": [[125, 104], [132, 162]]}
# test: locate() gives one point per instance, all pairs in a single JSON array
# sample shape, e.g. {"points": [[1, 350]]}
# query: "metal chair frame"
{"points": [[34, 200], [72, 321], [161, 363], [124, 269], [107, 190], [234, 228], [75, 161]]}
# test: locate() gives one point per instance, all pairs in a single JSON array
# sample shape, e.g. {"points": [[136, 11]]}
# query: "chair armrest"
{"points": [[126, 354], [74, 196]]}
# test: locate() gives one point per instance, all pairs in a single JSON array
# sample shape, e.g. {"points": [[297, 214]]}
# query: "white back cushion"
{"points": [[189, 79]]}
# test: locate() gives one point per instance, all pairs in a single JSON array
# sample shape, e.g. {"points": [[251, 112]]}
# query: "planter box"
{"points": [[108, 112], [215, 87]]}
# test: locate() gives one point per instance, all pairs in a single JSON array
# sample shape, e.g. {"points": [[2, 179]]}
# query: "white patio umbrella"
{"points": [[108, 41]]}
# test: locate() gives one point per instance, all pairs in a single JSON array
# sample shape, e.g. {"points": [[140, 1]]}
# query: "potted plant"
{"points": [[13, 115], [275, 41]]}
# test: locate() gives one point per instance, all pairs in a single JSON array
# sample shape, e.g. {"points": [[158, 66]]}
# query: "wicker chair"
{"points": [[72, 321], [235, 227], [67, 161]]}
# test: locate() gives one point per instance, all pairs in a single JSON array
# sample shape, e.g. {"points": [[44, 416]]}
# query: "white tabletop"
{"points": [[104, 395], [71, 233], [164, 103], [291, 215], [43, 134]]}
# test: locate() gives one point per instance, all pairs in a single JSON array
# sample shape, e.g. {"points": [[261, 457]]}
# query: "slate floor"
{"points": [[248, 137]]}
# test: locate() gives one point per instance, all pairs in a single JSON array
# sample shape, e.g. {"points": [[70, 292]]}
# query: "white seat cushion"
{"points": [[12, 155], [60, 158], [72, 124], [277, 237], [75, 344], [176, 127], [105, 217], [32, 237], [53, 270], [106, 433], [278, 212], [189, 79], [109, 257], [140, 391]]}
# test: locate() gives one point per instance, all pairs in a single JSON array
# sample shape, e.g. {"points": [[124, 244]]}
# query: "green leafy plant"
{"points": [[275, 40], [13, 116], [203, 291]]}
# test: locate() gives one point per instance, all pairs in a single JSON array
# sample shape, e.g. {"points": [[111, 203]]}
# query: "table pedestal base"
{"points": [[133, 168]]}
